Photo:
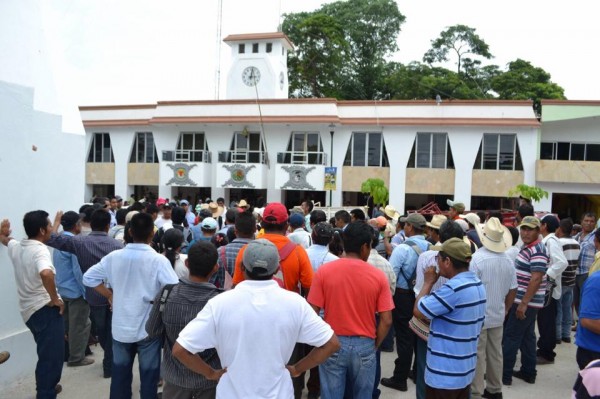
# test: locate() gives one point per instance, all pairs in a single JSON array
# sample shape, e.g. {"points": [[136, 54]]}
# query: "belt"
{"points": [[404, 291]]}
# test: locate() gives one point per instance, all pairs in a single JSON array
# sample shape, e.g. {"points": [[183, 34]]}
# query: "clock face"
{"points": [[251, 76], [281, 80]]}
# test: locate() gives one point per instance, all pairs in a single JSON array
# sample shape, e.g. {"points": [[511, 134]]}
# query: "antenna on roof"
{"points": [[279, 19], [218, 65]]}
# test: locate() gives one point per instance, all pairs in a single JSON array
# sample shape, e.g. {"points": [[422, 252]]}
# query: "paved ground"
{"points": [[553, 381]]}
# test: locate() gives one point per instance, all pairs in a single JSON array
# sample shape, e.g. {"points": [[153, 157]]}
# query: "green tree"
{"points": [[320, 51], [370, 29], [377, 190], [417, 81], [460, 40], [524, 81]]}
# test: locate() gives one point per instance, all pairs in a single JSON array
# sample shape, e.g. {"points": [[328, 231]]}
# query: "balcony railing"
{"points": [[187, 156], [243, 157], [302, 158]]}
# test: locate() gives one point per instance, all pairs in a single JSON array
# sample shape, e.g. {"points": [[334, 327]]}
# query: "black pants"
{"points": [[546, 322], [405, 338], [101, 317], [585, 356]]}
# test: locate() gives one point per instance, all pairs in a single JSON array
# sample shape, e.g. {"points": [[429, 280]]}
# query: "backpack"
{"points": [[550, 282], [284, 252], [161, 331], [410, 281], [228, 281]]}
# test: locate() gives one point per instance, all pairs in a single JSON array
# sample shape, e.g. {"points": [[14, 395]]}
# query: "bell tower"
{"points": [[259, 63]]}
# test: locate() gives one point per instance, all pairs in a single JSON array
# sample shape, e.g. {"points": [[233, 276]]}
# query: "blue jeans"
{"points": [[564, 315], [148, 351], [48, 329], [350, 372], [519, 334]]}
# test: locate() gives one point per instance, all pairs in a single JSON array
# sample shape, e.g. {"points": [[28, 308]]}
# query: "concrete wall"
{"points": [[495, 183], [100, 173], [430, 181], [583, 172], [354, 176], [51, 178]]}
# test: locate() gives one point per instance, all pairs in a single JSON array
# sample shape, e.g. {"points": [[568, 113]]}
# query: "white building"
{"points": [[40, 165], [258, 143]]}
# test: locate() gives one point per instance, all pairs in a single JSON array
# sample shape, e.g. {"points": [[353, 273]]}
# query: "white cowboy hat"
{"points": [[494, 236], [391, 212], [436, 221], [472, 218]]}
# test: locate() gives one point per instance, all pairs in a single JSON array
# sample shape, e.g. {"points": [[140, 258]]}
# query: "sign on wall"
{"points": [[297, 178], [330, 178], [238, 176]]}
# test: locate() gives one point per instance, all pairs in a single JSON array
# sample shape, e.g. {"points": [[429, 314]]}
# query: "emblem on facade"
{"points": [[181, 175], [297, 180], [238, 174]]}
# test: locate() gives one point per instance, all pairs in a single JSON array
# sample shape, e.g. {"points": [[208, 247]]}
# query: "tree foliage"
{"points": [[377, 190], [369, 29], [342, 51], [524, 81], [460, 40]]}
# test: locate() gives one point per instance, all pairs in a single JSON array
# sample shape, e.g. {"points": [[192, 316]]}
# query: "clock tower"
{"points": [[259, 63]]}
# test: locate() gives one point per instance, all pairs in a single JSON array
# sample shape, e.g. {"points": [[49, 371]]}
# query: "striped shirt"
{"points": [[532, 258], [588, 250], [457, 312], [382, 264], [184, 303], [571, 249], [89, 250], [498, 275], [227, 256]]}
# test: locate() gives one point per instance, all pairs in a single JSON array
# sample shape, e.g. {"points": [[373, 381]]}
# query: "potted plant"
{"points": [[377, 191]]}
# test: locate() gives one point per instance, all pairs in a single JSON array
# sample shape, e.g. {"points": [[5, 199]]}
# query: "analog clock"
{"points": [[251, 76], [281, 80]]}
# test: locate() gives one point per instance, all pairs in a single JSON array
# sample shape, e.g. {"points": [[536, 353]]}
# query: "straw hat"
{"points": [[436, 221], [391, 212], [494, 236], [243, 204], [472, 218], [215, 209]]}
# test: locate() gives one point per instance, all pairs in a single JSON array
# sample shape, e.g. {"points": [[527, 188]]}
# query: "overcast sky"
{"points": [[131, 52]]}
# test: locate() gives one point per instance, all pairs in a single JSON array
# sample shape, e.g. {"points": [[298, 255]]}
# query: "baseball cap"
{"points": [[275, 213], [323, 229], [160, 201], [69, 220], [455, 248], [208, 224], [415, 219], [296, 220], [459, 206], [118, 198], [261, 257], [530, 221], [184, 202]]}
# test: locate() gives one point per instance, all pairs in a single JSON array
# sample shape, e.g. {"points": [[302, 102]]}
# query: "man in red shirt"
{"points": [[351, 292]]}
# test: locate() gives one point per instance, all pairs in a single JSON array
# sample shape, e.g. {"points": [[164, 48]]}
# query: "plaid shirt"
{"points": [[228, 254], [588, 250]]}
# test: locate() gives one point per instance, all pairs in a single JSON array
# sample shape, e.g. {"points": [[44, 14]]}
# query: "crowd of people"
{"points": [[260, 302]]}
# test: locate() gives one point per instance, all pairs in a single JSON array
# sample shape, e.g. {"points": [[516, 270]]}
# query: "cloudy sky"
{"points": [[130, 52]]}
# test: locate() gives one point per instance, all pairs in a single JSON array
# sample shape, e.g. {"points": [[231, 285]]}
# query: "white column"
{"points": [[274, 195], [464, 145], [398, 143], [121, 142]]}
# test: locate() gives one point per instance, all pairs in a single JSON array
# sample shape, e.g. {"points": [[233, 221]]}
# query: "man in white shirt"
{"points": [[299, 235], [496, 271], [546, 318], [255, 345], [318, 253], [136, 274], [39, 302]]}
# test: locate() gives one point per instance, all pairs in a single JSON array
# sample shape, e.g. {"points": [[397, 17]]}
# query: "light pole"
{"points": [[331, 132]]}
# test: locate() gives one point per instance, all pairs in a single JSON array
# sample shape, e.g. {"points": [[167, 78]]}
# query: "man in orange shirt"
{"points": [[351, 292], [295, 267]]}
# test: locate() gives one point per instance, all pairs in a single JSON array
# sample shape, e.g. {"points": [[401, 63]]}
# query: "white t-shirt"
{"points": [[301, 237], [180, 270], [254, 328], [30, 258]]}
